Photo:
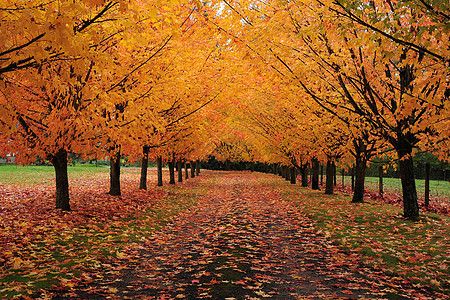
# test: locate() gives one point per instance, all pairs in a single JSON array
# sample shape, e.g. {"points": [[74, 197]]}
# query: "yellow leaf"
{"points": [[121, 255], [17, 262]]}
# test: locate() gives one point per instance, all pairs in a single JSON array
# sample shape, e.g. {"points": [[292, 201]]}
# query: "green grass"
{"points": [[417, 251], [36, 175], [438, 188]]}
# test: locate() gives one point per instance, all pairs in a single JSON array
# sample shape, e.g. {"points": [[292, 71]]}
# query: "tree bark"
{"points": [[114, 175], [59, 161], [293, 175], [329, 183], [315, 174], [287, 173], [334, 174], [192, 169], [159, 167], [186, 171], [410, 203], [171, 172], [144, 168], [321, 175], [180, 171], [427, 184], [197, 167], [304, 173], [360, 176]]}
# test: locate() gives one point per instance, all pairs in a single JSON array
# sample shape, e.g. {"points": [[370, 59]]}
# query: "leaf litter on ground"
{"points": [[236, 236]]}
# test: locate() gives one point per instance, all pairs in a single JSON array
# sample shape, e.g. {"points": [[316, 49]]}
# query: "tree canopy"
{"points": [[287, 82]]}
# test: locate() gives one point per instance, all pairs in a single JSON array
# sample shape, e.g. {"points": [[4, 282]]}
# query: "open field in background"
{"points": [[36, 175], [438, 188], [392, 192], [79, 175], [10, 173]]}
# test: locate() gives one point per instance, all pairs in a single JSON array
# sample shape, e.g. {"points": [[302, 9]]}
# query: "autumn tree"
{"points": [[390, 87], [49, 81], [399, 92]]}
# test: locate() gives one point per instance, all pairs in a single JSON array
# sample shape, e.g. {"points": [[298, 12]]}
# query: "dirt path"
{"points": [[241, 241]]}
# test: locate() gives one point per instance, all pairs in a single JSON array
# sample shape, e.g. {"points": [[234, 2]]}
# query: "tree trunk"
{"points": [[287, 172], [159, 167], [334, 174], [321, 175], [403, 145], [343, 177], [192, 169], [410, 203], [114, 175], [329, 183], [315, 174], [304, 173], [293, 175], [59, 161], [180, 171], [144, 168], [197, 167], [427, 184], [171, 172], [360, 176], [186, 172]]}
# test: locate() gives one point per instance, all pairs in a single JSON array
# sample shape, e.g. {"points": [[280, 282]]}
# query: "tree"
{"points": [[398, 92], [48, 84]]}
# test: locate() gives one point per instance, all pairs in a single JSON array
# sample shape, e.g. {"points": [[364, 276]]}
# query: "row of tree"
{"points": [[105, 79], [342, 82], [296, 83]]}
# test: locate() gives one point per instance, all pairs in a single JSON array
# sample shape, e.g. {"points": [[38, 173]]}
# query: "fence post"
{"points": [[380, 184], [427, 184]]}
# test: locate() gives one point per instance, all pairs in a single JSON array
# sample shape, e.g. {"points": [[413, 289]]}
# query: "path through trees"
{"points": [[241, 241]]}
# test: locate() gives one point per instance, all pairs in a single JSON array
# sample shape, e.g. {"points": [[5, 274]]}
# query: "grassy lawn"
{"points": [[37, 175], [417, 251], [438, 188]]}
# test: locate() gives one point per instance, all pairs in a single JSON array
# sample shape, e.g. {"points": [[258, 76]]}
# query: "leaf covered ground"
{"points": [[43, 248], [236, 235]]}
